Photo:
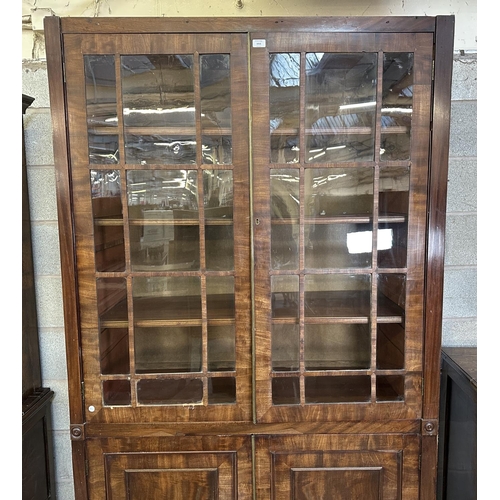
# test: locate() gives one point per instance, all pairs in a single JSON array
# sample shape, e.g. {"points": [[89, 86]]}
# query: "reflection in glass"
{"points": [[394, 187], [166, 298], [285, 296], [331, 245], [215, 92], [107, 212], [337, 295], [285, 347], [340, 106], [285, 219], [164, 219], [337, 346], [284, 107], [167, 349], [158, 109], [102, 121], [337, 192], [397, 106], [218, 202]]}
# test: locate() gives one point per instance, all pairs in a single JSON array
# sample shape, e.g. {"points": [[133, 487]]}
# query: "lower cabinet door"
{"points": [[184, 468], [341, 467]]}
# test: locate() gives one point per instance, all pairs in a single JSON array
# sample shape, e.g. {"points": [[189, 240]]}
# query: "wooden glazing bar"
{"points": [[119, 110], [376, 174], [197, 107]]}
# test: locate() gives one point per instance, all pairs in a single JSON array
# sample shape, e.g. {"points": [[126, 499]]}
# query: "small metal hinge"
{"points": [[432, 71], [420, 462], [86, 467]]}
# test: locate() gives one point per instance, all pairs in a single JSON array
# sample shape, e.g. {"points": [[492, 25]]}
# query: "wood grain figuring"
{"points": [[213, 467], [435, 240], [396, 24], [164, 402], [329, 463]]}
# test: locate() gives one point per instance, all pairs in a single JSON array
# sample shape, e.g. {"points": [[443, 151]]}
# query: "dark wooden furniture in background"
{"points": [[38, 471], [457, 473], [251, 217]]}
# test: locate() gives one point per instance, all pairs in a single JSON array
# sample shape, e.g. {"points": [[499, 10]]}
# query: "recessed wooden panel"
{"points": [[319, 473], [340, 467], [171, 483], [177, 468], [344, 483], [176, 475]]}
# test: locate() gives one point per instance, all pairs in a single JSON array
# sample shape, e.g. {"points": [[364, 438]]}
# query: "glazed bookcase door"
{"points": [[158, 128], [340, 164]]}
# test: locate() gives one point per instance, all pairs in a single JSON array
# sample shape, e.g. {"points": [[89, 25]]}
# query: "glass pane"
{"points": [[338, 245], [337, 346], [219, 247], [112, 302], [285, 346], [114, 351], [217, 150], [220, 297], [285, 296], [391, 296], [158, 109], [285, 219], [116, 392], [168, 349], [284, 107], [221, 351], [166, 298], [221, 390], [390, 388], [397, 106], [102, 121], [390, 346], [107, 211], [219, 235], [337, 295], [164, 219], [392, 237], [349, 389], [340, 106], [170, 391], [337, 192], [215, 90], [286, 391], [218, 194]]}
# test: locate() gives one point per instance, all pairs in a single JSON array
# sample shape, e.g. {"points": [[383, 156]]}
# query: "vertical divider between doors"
{"points": [[375, 217], [252, 252], [302, 174]]}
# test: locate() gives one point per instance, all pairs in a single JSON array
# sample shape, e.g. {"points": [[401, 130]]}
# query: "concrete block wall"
{"points": [[459, 314]]}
